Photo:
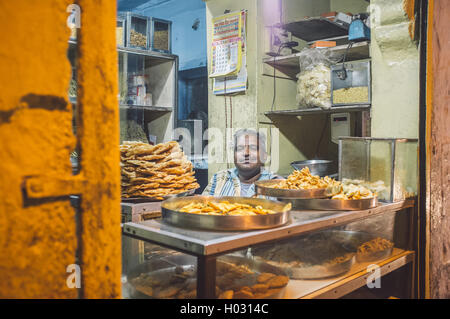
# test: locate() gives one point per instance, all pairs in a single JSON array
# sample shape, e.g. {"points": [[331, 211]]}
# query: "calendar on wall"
{"points": [[228, 53]]}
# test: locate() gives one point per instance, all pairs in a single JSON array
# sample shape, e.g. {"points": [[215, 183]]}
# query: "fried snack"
{"points": [[354, 192], [225, 208], [260, 288], [155, 170], [243, 294], [169, 292], [265, 276], [228, 294], [305, 180], [278, 281], [374, 245]]}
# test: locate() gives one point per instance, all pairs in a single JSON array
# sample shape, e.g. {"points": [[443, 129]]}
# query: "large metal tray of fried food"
{"points": [[237, 277], [136, 200], [266, 188], [320, 255], [331, 204], [171, 214]]}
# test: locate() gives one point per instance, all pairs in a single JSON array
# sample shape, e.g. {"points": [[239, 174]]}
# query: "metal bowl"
{"points": [[316, 167], [172, 215]]}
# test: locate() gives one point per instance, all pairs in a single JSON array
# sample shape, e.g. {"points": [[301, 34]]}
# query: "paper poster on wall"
{"points": [[232, 84], [226, 47]]}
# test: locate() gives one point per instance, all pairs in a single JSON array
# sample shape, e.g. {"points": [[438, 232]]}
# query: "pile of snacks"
{"points": [[351, 95], [226, 208], [375, 245], [351, 191], [239, 282], [232, 281], [305, 180], [155, 170], [138, 39]]}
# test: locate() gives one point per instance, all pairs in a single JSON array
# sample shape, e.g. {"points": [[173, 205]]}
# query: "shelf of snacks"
{"points": [[290, 66], [357, 277], [318, 110]]}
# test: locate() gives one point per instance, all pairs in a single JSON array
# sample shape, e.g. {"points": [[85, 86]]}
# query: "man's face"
{"points": [[247, 154]]}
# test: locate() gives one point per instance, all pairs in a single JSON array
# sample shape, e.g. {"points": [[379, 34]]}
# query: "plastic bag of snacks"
{"points": [[314, 79]]}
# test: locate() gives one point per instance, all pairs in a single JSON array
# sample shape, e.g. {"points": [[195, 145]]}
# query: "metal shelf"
{"points": [[343, 285], [314, 111], [290, 66], [146, 108], [317, 28], [136, 107], [150, 53]]}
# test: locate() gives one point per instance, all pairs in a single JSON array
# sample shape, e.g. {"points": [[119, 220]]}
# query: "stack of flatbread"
{"points": [[155, 170]]}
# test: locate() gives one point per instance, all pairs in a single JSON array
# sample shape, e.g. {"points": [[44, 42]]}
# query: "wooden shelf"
{"points": [[317, 110], [290, 66], [354, 279]]}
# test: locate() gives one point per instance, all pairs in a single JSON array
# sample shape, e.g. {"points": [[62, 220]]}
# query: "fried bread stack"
{"points": [[155, 170]]}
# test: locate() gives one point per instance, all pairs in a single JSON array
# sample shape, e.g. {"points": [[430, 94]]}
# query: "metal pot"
{"points": [[316, 167]]}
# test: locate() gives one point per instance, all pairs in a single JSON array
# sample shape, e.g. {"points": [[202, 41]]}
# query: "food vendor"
{"points": [[249, 158]]}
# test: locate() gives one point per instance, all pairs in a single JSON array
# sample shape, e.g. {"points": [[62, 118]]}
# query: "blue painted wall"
{"points": [[188, 43]]}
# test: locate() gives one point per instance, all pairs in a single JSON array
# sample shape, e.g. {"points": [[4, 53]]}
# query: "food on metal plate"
{"points": [[305, 180], [225, 208], [232, 282], [374, 245], [278, 281], [317, 249], [353, 192], [155, 170]]}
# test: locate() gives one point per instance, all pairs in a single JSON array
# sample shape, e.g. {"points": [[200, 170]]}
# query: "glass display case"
{"points": [[147, 86], [318, 254], [138, 30], [387, 166], [147, 94], [121, 31], [161, 35]]}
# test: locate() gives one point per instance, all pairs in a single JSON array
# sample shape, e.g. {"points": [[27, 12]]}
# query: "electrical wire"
{"points": [[327, 119]]}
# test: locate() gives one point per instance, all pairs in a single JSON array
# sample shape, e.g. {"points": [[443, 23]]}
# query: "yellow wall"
{"points": [[40, 233]]}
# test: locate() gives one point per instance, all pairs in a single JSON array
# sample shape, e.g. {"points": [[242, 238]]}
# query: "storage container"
{"points": [[351, 83], [386, 165], [138, 29], [161, 35]]}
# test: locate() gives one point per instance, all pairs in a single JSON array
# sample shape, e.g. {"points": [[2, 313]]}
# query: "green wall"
{"points": [[395, 86]]}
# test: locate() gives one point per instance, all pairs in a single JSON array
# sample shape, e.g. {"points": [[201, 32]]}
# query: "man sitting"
{"points": [[249, 157]]}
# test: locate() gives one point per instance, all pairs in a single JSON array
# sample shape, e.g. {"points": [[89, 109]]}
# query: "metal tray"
{"points": [[171, 215], [331, 204], [164, 268], [316, 249], [354, 239], [264, 188], [136, 200]]}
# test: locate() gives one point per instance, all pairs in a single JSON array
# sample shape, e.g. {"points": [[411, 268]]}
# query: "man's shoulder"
{"points": [[226, 173], [266, 174]]}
